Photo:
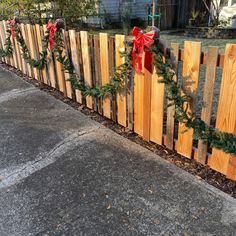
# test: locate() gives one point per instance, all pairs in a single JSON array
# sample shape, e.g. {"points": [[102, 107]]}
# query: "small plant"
{"points": [[194, 16]]}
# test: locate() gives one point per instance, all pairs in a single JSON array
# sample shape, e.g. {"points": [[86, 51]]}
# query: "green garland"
{"points": [[42, 62], [117, 81], [202, 131], [220, 140], [8, 46]]}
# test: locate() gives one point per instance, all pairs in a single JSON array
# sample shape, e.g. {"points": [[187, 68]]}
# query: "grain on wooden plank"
{"points": [[157, 109], [32, 48], [111, 52], [211, 68], [2, 34], [226, 116], [138, 102], [8, 59], [170, 122], [67, 51], [75, 60], [39, 37], [14, 57], [18, 55], [121, 95], [86, 65], [147, 88], [191, 71], [98, 79], [60, 75], [130, 102], [51, 75], [104, 59], [25, 36]]}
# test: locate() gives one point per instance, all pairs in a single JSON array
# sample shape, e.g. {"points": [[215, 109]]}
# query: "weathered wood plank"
{"points": [[51, 75], [38, 39], [121, 95], [104, 59], [75, 60], [86, 65], [98, 79], [226, 116], [25, 36], [211, 68], [170, 122], [138, 103], [191, 70], [32, 49]]}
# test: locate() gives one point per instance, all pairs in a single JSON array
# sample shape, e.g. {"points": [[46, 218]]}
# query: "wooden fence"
{"points": [[141, 105]]}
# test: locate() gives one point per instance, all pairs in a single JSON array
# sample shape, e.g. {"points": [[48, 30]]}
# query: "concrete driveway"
{"points": [[64, 174]]}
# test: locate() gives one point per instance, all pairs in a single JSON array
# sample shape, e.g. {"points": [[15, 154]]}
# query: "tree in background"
{"points": [[53, 8]]}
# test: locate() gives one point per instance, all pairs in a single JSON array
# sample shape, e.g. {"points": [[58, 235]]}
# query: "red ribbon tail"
{"points": [[148, 61], [140, 59]]}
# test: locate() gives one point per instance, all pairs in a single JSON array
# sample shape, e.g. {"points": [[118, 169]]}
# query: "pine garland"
{"points": [[117, 81], [8, 46], [42, 62], [202, 131], [180, 100]]}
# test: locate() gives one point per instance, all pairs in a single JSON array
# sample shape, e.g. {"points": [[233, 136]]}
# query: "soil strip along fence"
{"points": [[141, 105]]}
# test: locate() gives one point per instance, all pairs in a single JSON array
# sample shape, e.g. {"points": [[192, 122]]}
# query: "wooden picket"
{"points": [[191, 70], [121, 96], [104, 60], [208, 98], [226, 118], [75, 60], [140, 104], [170, 121], [86, 65]]}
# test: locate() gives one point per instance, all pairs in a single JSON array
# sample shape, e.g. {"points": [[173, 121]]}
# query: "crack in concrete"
{"points": [[16, 93], [14, 175]]}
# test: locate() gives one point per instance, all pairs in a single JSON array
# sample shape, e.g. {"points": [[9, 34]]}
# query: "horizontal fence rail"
{"points": [[141, 105]]}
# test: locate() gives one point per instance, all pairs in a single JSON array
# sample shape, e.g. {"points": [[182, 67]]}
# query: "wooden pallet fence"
{"points": [[140, 103]]}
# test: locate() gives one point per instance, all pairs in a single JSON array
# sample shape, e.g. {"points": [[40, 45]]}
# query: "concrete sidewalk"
{"points": [[64, 174]]}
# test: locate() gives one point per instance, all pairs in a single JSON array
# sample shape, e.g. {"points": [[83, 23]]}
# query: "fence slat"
{"points": [[60, 76], [86, 65], [32, 48], [121, 95], [38, 39], [226, 118], [2, 37], [138, 103], [25, 36], [170, 122], [211, 67], [8, 59], [191, 70], [112, 56], [18, 55], [104, 59], [51, 75], [98, 78], [75, 60], [157, 109], [66, 51]]}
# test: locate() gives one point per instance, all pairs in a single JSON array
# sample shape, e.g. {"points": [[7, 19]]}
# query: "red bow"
{"points": [[12, 27], [140, 40], [52, 31]]}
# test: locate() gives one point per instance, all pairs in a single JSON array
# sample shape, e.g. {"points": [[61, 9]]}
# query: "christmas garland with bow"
{"points": [[148, 43]]}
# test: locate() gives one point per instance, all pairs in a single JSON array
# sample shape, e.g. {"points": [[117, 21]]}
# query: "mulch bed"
{"points": [[202, 172]]}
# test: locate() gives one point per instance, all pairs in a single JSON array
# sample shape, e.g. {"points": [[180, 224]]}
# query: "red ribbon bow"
{"points": [[53, 29], [12, 27], [140, 41]]}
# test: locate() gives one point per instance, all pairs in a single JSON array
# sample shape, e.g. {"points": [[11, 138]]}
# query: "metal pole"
{"points": [[153, 12]]}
